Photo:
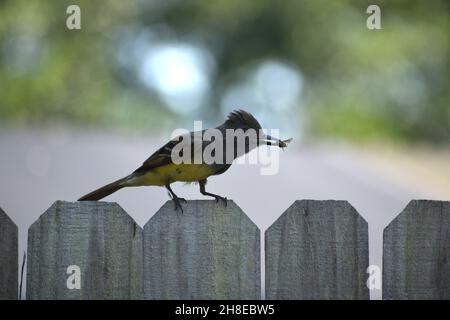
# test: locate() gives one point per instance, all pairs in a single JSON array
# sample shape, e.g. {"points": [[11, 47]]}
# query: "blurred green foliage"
{"points": [[359, 84]]}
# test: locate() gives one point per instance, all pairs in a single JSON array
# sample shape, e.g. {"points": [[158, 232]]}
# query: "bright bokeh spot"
{"points": [[272, 88], [179, 73]]}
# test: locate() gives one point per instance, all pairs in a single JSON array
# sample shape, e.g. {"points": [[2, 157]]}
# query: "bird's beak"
{"points": [[271, 141]]}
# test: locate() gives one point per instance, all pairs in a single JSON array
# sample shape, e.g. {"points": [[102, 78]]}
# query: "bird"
{"points": [[162, 169]]}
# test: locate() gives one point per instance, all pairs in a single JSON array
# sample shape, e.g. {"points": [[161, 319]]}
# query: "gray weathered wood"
{"points": [[317, 250], [416, 252], [208, 252], [8, 258], [98, 237]]}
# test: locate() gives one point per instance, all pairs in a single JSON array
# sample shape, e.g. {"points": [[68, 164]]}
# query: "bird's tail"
{"points": [[104, 191]]}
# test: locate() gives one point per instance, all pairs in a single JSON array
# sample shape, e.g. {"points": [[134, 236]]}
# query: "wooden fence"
{"points": [[314, 250]]}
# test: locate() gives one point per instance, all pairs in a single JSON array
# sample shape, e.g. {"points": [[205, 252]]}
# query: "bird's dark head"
{"points": [[240, 119]]}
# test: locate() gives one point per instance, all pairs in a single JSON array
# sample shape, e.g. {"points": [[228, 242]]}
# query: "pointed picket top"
{"points": [[317, 250], [84, 250], [8, 257], [5, 219], [416, 252], [210, 251]]}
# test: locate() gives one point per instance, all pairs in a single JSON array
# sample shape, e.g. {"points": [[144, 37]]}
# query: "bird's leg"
{"points": [[202, 184], [175, 198]]}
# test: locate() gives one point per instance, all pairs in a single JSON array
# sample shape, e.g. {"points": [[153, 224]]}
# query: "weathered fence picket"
{"points": [[84, 250], [317, 250], [8, 258], [208, 252], [416, 252]]}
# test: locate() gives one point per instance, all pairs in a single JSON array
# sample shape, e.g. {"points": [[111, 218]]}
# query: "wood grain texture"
{"points": [[416, 252], [317, 250], [8, 258], [99, 237], [208, 252]]}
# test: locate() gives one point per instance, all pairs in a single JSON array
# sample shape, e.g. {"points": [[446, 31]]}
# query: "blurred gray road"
{"points": [[38, 168]]}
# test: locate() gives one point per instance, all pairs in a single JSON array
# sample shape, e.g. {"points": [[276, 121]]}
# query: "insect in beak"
{"points": [[271, 141]]}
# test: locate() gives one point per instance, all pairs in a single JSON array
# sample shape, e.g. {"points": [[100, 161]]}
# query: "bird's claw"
{"points": [[224, 199], [178, 204]]}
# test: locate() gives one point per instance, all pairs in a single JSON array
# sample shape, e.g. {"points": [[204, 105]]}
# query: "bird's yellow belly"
{"points": [[171, 173]]}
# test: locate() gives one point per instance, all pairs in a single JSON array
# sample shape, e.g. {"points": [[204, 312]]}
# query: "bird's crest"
{"points": [[240, 118]]}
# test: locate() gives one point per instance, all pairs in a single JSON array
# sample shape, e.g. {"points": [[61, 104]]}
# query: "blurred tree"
{"points": [[360, 84]]}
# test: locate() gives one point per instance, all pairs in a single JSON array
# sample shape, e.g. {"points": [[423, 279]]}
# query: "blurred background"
{"points": [[368, 109]]}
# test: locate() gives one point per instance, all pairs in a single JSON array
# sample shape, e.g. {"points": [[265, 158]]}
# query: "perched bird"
{"points": [[160, 169]]}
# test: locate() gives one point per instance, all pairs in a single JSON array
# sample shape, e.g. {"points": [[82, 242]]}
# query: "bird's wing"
{"points": [[159, 158], [163, 156]]}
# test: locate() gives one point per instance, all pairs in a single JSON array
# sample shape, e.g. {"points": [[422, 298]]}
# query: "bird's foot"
{"points": [[224, 199], [177, 202]]}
